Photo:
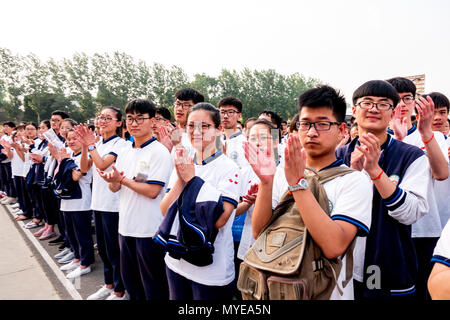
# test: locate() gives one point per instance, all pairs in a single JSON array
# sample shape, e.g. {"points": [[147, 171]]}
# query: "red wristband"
{"points": [[378, 177], [428, 140]]}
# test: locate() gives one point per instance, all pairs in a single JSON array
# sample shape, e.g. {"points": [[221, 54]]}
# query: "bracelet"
{"points": [[378, 177], [428, 140], [120, 182]]}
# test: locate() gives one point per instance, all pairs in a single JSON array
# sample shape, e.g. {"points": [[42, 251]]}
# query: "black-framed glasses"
{"points": [[382, 106], [199, 126], [184, 105], [229, 113], [160, 119], [408, 99], [105, 119], [318, 125], [139, 120]]}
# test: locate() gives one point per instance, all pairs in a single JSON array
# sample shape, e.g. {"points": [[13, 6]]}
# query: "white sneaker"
{"points": [[78, 272], [15, 205], [70, 266], [10, 200], [62, 253], [4, 200], [112, 296], [18, 211], [101, 294], [67, 258]]}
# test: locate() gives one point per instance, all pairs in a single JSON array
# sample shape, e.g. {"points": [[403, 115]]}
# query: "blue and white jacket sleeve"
{"points": [[409, 201], [441, 252]]}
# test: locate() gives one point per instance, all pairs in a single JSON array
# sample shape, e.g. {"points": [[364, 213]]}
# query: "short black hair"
{"points": [[439, 100], [276, 119], [47, 123], [186, 94], [324, 96], [214, 112], [63, 114], [141, 106], [376, 88], [71, 121], [403, 85], [230, 101], [9, 124], [32, 124], [164, 112]]}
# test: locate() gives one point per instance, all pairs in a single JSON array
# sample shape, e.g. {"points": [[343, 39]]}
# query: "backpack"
{"points": [[285, 263]]}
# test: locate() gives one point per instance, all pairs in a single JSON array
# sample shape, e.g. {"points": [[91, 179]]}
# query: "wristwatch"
{"points": [[91, 147], [302, 184]]}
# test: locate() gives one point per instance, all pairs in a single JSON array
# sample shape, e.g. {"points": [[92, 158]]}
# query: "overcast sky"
{"points": [[342, 43]]}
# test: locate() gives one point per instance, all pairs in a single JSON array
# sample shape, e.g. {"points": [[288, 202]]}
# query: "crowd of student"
{"points": [[140, 177]]}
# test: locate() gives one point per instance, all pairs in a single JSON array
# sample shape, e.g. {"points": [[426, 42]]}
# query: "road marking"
{"points": [[55, 268]]}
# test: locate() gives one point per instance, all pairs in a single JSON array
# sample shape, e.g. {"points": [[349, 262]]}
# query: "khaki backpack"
{"points": [[285, 263]]}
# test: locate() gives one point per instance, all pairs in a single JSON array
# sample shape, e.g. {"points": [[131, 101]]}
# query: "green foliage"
{"points": [[30, 89]]}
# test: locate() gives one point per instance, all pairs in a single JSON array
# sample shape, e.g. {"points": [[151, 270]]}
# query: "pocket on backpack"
{"points": [[282, 288], [252, 283]]}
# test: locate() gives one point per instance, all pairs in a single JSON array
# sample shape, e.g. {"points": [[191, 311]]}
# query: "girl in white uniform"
{"points": [[214, 281]]}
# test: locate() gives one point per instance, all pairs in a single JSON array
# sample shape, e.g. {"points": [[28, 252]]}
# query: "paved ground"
{"points": [[28, 269]]}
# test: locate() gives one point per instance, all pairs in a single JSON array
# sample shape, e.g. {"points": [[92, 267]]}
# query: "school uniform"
{"points": [[426, 231], [389, 246], [17, 170], [141, 260], [214, 281], [441, 253], [441, 190], [105, 207], [78, 215], [235, 149], [6, 172], [350, 200]]}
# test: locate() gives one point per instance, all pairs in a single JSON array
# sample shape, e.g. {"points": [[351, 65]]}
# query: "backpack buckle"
{"points": [[317, 264]]}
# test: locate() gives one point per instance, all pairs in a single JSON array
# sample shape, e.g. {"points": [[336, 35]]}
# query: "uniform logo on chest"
{"points": [[394, 178]]}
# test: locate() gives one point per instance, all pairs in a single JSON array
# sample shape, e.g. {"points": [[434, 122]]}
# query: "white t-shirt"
{"points": [[28, 162], [442, 193], [441, 252], [223, 174], [16, 164], [235, 149], [104, 199], [8, 139], [430, 224], [249, 178], [83, 204], [140, 216], [350, 199]]}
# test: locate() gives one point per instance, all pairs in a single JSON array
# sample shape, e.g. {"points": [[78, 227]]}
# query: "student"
{"points": [[427, 230], [293, 125], [439, 280], [185, 99], [273, 117], [386, 266], [5, 167], [230, 112], [162, 118], [105, 204], [247, 125], [77, 210], [214, 281], [440, 118], [141, 173], [321, 128]]}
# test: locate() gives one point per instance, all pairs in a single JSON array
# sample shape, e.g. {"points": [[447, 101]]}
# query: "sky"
{"points": [[343, 43]]}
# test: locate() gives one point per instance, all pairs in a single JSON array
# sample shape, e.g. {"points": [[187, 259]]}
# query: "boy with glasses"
{"points": [[427, 230], [162, 118], [386, 264], [141, 174]]}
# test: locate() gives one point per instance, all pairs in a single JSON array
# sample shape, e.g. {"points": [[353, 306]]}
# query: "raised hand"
{"points": [[84, 135], [371, 149], [357, 160], [294, 160], [399, 125], [63, 154], [250, 197], [425, 109], [262, 162], [165, 137], [113, 176]]}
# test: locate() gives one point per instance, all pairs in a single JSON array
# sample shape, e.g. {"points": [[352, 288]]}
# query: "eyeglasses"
{"points": [[409, 99], [382, 106], [202, 126], [318, 126], [184, 105], [229, 113], [139, 120], [160, 119], [105, 119]]}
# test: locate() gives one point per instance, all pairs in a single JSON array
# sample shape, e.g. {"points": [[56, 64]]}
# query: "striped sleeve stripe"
{"points": [[441, 259], [396, 199], [363, 230], [403, 292], [113, 154], [156, 182], [232, 201]]}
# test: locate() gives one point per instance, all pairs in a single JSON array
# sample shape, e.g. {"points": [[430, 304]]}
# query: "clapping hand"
{"points": [[113, 176]]}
